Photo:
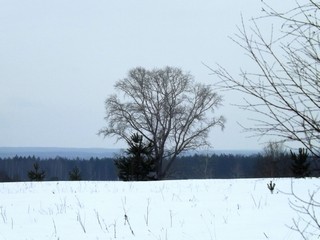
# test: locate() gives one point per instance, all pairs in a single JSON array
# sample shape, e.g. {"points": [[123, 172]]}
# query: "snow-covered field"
{"points": [[163, 210]]}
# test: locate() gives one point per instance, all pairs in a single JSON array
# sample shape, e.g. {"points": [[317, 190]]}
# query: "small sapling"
{"points": [[271, 186]]}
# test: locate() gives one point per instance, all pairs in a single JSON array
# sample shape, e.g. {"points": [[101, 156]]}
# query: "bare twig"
{"points": [[308, 222], [146, 217], [81, 223]]}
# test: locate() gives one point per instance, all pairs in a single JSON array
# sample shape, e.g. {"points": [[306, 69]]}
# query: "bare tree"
{"points": [[274, 150], [306, 223], [273, 155], [285, 87], [167, 108]]}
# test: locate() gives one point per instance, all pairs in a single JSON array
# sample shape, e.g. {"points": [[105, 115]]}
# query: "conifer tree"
{"points": [[36, 174], [74, 174], [138, 164], [300, 164]]}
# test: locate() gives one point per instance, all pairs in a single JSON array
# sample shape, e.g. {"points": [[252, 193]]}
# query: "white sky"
{"points": [[60, 59]]}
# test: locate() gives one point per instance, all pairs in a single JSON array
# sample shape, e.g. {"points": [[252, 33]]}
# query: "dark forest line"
{"points": [[221, 166], [56, 169]]}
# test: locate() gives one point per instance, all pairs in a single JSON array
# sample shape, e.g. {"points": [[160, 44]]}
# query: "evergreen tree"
{"points": [[74, 175], [36, 174], [300, 164], [138, 164]]}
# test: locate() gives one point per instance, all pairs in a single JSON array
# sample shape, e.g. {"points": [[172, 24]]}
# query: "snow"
{"points": [[162, 210]]}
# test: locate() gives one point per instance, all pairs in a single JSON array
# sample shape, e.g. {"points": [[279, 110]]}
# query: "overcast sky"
{"points": [[60, 59]]}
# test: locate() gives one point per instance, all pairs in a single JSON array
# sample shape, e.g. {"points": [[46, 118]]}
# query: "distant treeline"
{"points": [[186, 167], [17, 168], [236, 166]]}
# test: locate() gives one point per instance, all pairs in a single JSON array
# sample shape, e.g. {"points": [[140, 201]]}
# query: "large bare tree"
{"points": [[284, 88], [167, 108]]}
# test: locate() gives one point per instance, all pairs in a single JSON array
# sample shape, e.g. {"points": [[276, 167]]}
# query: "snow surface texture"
{"points": [[163, 210]]}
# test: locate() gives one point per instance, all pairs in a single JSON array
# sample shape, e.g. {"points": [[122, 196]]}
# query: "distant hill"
{"points": [[71, 153], [87, 153]]}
